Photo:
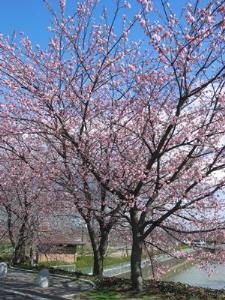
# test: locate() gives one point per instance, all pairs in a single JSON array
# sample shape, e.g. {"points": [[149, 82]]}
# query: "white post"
{"points": [[43, 278], [3, 270]]}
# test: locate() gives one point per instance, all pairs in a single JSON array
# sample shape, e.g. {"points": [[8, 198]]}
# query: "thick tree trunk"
{"points": [[103, 244], [19, 255], [9, 224], [136, 273], [136, 253], [99, 247], [94, 244], [98, 264], [10, 231]]}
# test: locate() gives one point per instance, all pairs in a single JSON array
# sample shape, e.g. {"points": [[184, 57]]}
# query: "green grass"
{"points": [[84, 250], [177, 292], [111, 261], [87, 261], [182, 247], [50, 264], [103, 294], [46, 264], [6, 251], [110, 294]]}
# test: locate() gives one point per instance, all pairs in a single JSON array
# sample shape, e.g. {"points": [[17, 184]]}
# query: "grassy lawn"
{"points": [[181, 247], [109, 294], [6, 251], [83, 264], [87, 261], [115, 288], [103, 294]]}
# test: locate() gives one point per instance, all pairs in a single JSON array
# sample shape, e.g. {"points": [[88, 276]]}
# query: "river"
{"points": [[196, 276]]}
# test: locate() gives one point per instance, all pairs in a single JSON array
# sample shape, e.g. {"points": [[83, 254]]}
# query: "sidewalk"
{"points": [[20, 284]]}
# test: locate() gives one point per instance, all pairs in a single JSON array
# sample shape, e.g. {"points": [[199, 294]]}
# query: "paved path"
{"points": [[20, 285]]}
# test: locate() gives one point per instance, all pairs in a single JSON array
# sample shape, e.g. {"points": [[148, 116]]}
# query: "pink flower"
{"points": [[209, 19], [62, 4], [132, 67], [156, 38], [143, 23], [147, 4], [124, 35], [190, 18]]}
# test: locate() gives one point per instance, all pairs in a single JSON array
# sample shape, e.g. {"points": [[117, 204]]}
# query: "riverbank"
{"points": [[117, 288], [114, 288]]}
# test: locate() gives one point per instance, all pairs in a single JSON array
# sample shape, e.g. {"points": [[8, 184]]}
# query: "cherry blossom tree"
{"points": [[144, 117], [103, 212], [23, 199], [27, 196], [99, 209]]}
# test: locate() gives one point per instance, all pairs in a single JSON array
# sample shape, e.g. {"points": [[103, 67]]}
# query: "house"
{"points": [[57, 247]]}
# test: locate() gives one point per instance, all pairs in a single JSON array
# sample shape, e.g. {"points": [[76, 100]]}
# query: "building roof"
{"points": [[51, 239]]}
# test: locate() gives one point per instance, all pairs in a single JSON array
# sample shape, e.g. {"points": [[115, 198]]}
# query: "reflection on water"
{"points": [[199, 277]]}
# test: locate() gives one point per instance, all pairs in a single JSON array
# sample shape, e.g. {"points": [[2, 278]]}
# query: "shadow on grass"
{"points": [[104, 294]]}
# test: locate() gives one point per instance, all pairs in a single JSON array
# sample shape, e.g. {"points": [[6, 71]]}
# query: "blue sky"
{"points": [[32, 17], [28, 16]]}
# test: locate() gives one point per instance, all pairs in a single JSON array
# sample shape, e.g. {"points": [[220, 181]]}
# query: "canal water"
{"points": [[197, 276]]}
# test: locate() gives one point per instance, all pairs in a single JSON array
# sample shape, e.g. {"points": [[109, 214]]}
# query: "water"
{"points": [[200, 277]]}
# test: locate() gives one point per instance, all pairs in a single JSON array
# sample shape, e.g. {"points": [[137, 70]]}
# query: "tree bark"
{"points": [[99, 247], [98, 264], [136, 272], [9, 225], [136, 253], [19, 255]]}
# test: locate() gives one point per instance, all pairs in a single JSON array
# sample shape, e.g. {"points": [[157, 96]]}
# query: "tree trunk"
{"points": [[9, 224], [99, 248], [19, 255], [98, 264], [103, 244], [136, 253], [136, 272]]}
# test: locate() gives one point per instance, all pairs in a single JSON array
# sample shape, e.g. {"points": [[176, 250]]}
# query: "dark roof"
{"points": [[58, 239]]}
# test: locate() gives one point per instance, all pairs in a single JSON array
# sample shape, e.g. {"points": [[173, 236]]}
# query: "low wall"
{"points": [[174, 265], [67, 258]]}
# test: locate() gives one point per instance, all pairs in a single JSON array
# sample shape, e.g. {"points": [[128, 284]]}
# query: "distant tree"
{"points": [[26, 196]]}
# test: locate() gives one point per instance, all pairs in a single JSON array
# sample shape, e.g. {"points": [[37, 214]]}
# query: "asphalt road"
{"points": [[10, 296], [20, 285]]}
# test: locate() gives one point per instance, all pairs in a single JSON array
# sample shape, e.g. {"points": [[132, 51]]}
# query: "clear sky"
{"points": [[32, 17], [28, 16]]}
